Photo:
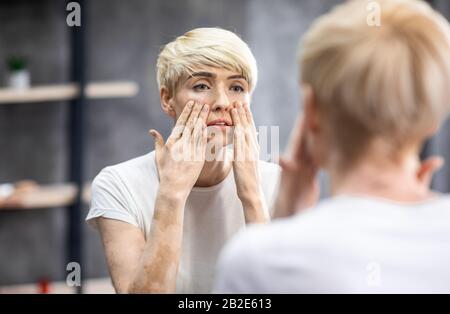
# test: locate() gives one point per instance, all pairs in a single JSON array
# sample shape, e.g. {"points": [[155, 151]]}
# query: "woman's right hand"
{"points": [[181, 159]]}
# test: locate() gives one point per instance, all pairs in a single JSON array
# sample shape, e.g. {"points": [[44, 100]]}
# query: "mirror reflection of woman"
{"points": [[164, 219]]}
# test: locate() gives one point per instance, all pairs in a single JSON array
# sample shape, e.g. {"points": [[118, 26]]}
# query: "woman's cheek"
{"points": [[243, 97], [185, 98], [201, 98]]}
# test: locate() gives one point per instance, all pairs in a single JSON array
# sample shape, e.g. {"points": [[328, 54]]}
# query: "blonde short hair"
{"points": [[202, 47], [390, 81]]}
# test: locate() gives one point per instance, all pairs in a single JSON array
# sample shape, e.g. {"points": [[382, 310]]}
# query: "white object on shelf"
{"points": [[68, 91], [19, 80], [6, 190]]}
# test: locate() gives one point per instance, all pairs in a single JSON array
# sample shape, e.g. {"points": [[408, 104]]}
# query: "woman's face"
{"points": [[218, 88]]}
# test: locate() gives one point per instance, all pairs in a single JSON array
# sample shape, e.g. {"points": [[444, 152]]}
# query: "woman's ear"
{"points": [[167, 102], [311, 113]]}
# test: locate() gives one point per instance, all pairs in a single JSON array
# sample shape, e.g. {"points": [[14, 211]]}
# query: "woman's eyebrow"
{"points": [[204, 74], [200, 74], [237, 76]]}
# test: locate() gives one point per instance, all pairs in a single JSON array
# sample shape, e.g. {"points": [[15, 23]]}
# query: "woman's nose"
{"points": [[221, 102]]}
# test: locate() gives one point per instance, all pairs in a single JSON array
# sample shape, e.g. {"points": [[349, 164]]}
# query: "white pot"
{"points": [[19, 79]]}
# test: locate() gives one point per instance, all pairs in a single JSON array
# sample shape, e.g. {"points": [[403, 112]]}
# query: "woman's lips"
{"points": [[220, 123]]}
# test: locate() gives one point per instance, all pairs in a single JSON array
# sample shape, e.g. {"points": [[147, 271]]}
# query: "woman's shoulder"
{"points": [[132, 170]]}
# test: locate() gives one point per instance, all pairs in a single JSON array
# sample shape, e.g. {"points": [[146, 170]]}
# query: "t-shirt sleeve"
{"points": [[109, 199]]}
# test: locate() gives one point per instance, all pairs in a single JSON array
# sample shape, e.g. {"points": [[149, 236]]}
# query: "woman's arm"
{"points": [[139, 266]]}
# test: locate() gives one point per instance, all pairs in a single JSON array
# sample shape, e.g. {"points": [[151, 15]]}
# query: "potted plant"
{"points": [[19, 76]]}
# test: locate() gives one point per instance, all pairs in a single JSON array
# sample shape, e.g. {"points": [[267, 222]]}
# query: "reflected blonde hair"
{"points": [[202, 47], [390, 82]]}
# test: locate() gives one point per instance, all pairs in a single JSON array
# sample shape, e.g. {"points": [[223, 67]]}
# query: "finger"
{"points": [[197, 139], [239, 144], [200, 125], [306, 159], [181, 122], [250, 121], [204, 113], [297, 142], [428, 168], [192, 119], [204, 137], [238, 134], [242, 115], [249, 116], [182, 119], [197, 133], [159, 141], [284, 163], [203, 141], [237, 147], [235, 117]]}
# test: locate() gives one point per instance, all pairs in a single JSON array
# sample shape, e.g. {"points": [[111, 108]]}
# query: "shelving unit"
{"points": [[73, 194], [48, 196], [63, 92]]}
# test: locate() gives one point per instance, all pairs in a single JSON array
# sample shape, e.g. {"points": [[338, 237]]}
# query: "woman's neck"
{"points": [[382, 178], [214, 172]]}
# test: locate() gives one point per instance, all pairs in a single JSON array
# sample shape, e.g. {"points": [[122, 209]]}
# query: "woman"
{"points": [[372, 95], [164, 217]]}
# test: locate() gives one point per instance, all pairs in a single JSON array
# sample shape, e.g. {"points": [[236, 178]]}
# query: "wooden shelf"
{"points": [[46, 196], [62, 92]]}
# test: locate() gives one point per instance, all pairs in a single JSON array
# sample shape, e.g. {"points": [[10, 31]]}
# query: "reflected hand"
{"points": [[181, 159]]}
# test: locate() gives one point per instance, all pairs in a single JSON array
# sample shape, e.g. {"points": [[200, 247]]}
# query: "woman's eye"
{"points": [[237, 89], [201, 87]]}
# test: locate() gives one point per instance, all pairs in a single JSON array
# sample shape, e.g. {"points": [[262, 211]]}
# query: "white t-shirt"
{"points": [[347, 244], [127, 192]]}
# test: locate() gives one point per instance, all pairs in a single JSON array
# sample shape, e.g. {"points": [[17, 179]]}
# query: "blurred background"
{"points": [[54, 135]]}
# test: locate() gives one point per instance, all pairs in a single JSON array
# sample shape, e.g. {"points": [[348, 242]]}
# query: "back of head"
{"points": [[389, 81]]}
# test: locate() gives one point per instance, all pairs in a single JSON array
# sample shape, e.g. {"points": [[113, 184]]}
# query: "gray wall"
{"points": [[32, 140], [124, 38]]}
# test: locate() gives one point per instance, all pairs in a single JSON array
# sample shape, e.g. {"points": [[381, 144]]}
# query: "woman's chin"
{"points": [[219, 143], [216, 150], [220, 139]]}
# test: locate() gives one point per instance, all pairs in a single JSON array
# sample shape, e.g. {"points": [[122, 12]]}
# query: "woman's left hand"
{"points": [[246, 164]]}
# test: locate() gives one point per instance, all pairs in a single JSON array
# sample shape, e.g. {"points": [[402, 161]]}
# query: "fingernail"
{"points": [[190, 104], [152, 132]]}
